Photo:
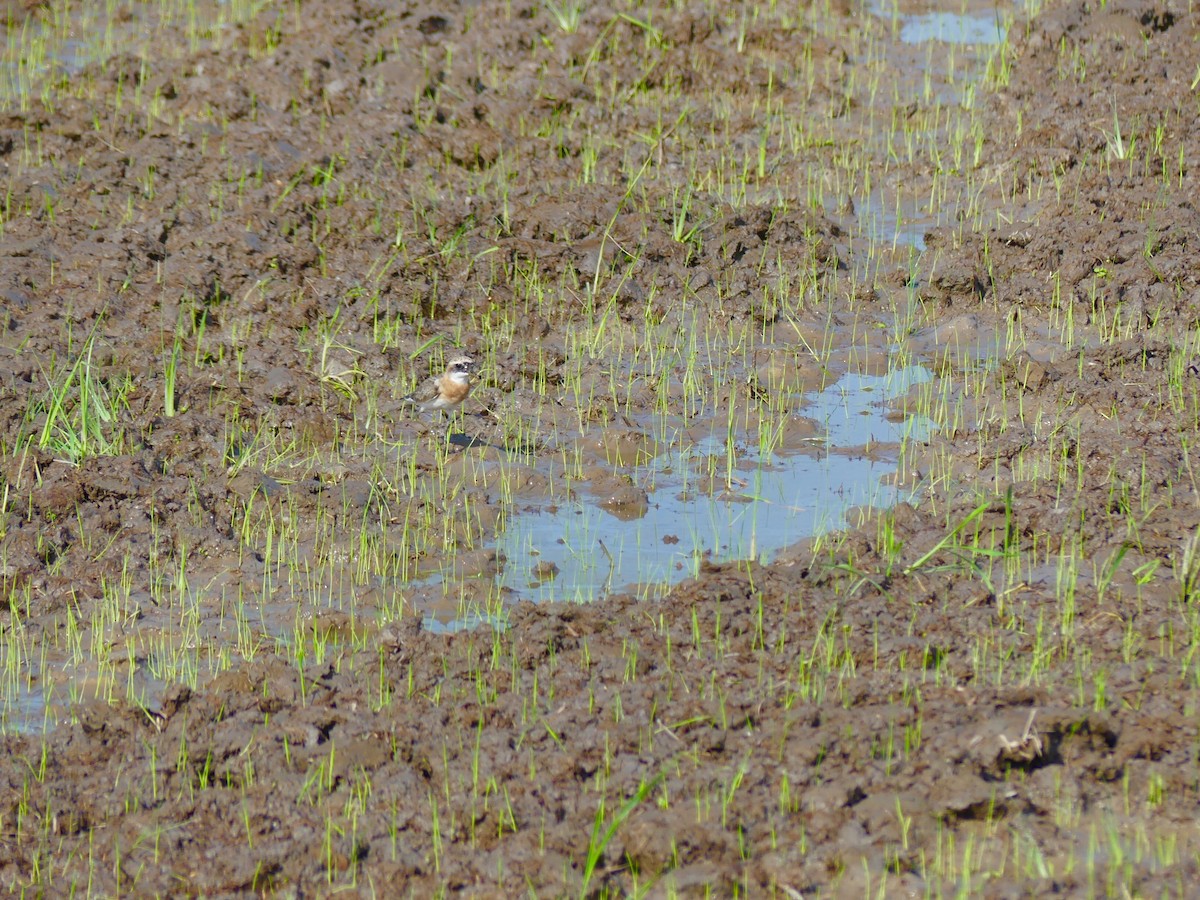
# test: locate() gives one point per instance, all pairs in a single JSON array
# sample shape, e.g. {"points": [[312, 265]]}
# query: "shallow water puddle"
{"points": [[25, 712], [578, 550], [44, 700], [952, 28], [889, 217], [955, 23], [937, 53]]}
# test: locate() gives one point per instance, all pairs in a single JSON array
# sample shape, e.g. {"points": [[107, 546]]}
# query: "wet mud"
{"points": [[250, 250]]}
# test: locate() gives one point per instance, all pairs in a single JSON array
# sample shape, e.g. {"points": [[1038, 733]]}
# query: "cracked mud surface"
{"points": [[878, 712]]}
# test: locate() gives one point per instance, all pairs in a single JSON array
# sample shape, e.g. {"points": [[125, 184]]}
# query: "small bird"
{"points": [[447, 390]]}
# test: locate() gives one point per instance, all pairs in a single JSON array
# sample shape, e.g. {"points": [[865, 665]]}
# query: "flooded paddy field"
{"points": [[823, 520]]}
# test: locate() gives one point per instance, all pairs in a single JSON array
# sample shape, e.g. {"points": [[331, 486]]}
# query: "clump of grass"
{"points": [[81, 411], [602, 834]]}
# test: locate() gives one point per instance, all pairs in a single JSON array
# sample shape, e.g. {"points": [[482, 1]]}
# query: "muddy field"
{"points": [[253, 642]]}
